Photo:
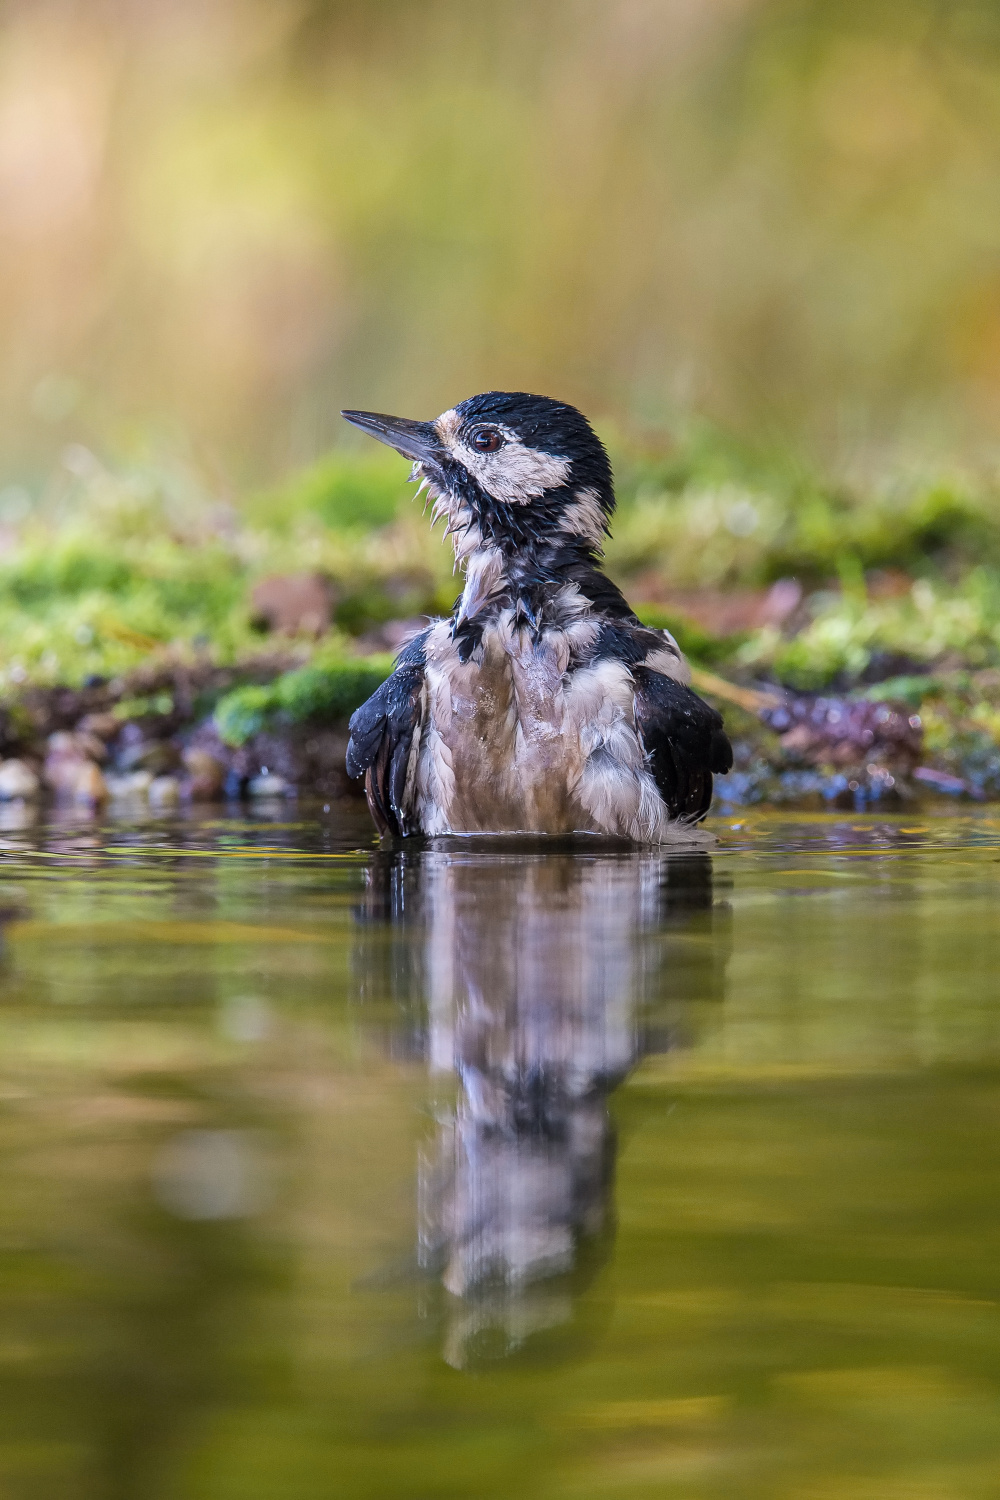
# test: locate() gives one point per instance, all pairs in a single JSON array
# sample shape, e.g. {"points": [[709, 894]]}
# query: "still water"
{"points": [[499, 1168]]}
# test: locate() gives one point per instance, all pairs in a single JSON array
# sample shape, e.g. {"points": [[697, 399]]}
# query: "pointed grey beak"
{"points": [[417, 440]]}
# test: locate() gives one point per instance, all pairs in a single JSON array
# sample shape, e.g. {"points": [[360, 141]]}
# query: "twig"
{"points": [[748, 698]]}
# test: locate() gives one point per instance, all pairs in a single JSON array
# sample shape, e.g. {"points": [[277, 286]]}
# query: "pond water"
{"points": [[491, 1168]]}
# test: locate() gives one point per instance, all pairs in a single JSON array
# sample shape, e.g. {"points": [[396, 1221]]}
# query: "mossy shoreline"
{"points": [[184, 728], [851, 629]]}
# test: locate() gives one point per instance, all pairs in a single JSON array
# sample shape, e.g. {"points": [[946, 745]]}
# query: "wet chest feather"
{"points": [[510, 740]]}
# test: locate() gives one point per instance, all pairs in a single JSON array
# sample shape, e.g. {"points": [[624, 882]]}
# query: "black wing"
{"points": [[382, 733], [684, 742]]}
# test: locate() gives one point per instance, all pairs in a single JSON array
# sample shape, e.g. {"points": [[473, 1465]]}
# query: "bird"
{"points": [[542, 704]]}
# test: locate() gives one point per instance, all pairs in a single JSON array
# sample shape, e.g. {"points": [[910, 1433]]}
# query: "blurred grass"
{"points": [[220, 224], [114, 565]]}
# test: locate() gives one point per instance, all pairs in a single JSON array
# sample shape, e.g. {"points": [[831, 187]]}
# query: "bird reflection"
{"points": [[534, 981]]}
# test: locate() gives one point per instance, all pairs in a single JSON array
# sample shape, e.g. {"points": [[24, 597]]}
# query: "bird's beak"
{"points": [[417, 440]]}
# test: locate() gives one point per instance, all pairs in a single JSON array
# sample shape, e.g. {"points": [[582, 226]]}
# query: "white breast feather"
{"points": [[435, 775], [615, 786], [483, 576], [591, 711]]}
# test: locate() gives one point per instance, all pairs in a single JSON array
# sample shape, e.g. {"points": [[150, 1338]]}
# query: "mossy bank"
{"points": [[192, 643]]}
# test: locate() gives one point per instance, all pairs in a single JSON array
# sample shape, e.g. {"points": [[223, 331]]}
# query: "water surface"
{"points": [[493, 1167]]}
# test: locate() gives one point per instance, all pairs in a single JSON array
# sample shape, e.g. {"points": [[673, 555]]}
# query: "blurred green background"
{"points": [[221, 220], [757, 241]]}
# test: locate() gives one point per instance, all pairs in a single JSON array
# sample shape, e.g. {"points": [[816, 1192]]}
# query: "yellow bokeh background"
{"points": [[223, 219]]}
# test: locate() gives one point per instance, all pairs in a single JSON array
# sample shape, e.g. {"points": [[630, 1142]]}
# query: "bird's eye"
{"points": [[486, 440]]}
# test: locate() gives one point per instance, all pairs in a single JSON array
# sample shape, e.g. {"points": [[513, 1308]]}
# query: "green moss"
{"points": [[847, 633], [117, 567], [139, 708], [330, 689], [713, 513], [323, 691], [345, 490], [241, 714]]}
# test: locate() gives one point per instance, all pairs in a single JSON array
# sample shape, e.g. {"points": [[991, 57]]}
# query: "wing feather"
{"points": [[382, 734], [684, 741]]}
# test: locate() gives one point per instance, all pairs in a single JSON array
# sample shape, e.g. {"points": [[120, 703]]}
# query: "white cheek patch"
{"points": [[516, 474], [584, 517]]}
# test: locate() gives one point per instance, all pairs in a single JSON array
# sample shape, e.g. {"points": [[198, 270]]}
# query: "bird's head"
{"points": [[507, 470]]}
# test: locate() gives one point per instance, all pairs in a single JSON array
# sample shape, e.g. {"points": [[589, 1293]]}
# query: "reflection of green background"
{"points": [[801, 1297], [237, 215]]}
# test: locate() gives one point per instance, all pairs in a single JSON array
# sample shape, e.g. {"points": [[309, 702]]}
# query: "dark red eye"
{"points": [[486, 440]]}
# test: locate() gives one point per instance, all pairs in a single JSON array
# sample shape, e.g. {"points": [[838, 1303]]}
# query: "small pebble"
{"points": [[18, 782], [164, 791], [102, 726], [134, 785], [71, 770], [267, 786], [90, 789], [208, 775]]}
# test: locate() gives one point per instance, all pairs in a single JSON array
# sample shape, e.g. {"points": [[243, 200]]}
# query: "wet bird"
{"points": [[542, 704]]}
